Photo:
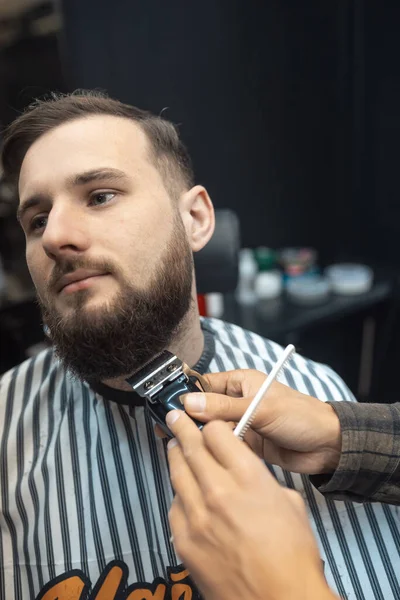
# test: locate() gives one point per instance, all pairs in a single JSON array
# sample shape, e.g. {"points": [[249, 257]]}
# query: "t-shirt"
{"points": [[85, 491]]}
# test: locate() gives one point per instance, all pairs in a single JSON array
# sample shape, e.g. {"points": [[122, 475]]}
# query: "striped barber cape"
{"points": [[85, 492]]}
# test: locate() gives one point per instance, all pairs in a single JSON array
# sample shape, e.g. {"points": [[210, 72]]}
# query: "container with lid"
{"points": [[268, 284], [349, 279], [309, 290]]}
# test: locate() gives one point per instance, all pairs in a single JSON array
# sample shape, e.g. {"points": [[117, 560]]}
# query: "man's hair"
{"points": [[167, 151]]}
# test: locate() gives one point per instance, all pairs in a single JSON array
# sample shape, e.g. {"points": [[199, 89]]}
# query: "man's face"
{"points": [[105, 245]]}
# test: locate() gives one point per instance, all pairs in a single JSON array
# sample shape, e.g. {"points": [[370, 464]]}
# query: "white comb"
{"points": [[248, 417]]}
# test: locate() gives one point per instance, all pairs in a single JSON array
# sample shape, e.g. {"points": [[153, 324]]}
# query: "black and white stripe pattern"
{"points": [[84, 481]]}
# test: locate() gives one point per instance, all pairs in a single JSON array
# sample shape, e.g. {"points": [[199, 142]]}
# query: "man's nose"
{"points": [[65, 234]]}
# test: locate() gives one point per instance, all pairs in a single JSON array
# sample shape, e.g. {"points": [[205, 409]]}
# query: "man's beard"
{"points": [[118, 338]]}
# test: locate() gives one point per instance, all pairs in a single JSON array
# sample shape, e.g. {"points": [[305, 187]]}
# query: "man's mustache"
{"points": [[69, 266]]}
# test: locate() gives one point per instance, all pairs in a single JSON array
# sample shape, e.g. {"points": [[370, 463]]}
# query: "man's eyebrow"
{"points": [[30, 203], [73, 181], [96, 175]]}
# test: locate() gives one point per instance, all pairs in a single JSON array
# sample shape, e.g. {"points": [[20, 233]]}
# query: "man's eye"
{"points": [[38, 223], [101, 198]]}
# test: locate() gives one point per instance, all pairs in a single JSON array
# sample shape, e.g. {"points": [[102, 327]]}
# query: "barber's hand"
{"points": [[290, 429], [240, 534]]}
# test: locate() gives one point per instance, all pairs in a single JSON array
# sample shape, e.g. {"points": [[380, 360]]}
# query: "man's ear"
{"points": [[197, 213]]}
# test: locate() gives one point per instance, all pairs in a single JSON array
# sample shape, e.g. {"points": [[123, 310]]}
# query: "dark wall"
{"points": [[378, 105], [260, 89], [29, 68]]}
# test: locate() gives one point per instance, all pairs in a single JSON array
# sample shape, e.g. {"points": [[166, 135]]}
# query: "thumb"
{"points": [[208, 407]]}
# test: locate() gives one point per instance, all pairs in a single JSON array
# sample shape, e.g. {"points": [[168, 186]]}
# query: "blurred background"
{"points": [[291, 112]]}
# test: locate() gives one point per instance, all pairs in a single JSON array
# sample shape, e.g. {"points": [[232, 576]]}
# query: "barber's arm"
{"points": [[240, 534], [351, 450], [369, 465]]}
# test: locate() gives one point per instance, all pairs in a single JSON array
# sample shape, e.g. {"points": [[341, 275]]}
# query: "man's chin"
{"points": [[83, 302]]}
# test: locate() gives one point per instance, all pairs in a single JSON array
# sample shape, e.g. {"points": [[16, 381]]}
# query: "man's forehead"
{"points": [[84, 144], [114, 131]]}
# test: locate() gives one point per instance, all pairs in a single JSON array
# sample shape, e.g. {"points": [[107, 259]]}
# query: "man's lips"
{"points": [[78, 279]]}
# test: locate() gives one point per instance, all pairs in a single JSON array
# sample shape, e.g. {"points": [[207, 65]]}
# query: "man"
{"points": [[111, 217]]}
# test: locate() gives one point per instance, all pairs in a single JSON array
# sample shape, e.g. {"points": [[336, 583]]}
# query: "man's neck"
{"points": [[188, 346]]}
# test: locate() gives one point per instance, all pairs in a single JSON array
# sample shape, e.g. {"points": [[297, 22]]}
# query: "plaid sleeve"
{"points": [[369, 467]]}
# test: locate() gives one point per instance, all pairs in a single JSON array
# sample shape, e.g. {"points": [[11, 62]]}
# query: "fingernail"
{"points": [[172, 443], [172, 416], [195, 403]]}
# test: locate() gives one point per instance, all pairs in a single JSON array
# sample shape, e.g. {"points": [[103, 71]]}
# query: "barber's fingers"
{"points": [[234, 455], [184, 482], [217, 459], [204, 467], [211, 406], [223, 408], [237, 383], [270, 452], [161, 433], [179, 523], [296, 500]]}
